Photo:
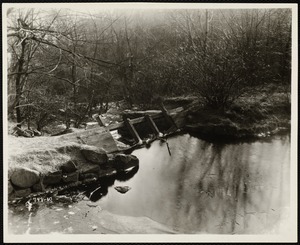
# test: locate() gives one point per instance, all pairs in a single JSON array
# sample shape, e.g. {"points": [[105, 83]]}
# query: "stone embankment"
{"points": [[87, 164]]}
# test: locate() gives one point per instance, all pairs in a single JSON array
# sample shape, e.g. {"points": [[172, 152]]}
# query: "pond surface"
{"points": [[200, 188]]}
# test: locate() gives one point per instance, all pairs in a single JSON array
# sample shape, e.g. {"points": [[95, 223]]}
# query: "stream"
{"points": [[200, 188]]}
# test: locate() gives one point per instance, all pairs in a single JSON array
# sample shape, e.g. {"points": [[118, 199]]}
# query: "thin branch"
{"points": [[77, 54], [57, 63]]}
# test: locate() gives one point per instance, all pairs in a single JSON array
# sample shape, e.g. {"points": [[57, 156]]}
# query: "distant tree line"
{"points": [[62, 63]]}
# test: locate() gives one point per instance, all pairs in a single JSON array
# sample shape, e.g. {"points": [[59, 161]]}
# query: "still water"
{"points": [[200, 188]]}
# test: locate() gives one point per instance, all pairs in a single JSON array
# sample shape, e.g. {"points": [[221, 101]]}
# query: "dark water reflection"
{"points": [[201, 188], [97, 191], [209, 188]]}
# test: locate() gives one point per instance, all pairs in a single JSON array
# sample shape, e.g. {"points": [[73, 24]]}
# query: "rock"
{"points": [[36, 132], [129, 170], [10, 188], [74, 184], [53, 178], [88, 176], [70, 177], [30, 132], [90, 125], [39, 187], [92, 205], [90, 168], [24, 177], [24, 134], [22, 192], [69, 166], [127, 173], [94, 154], [107, 172], [63, 198], [66, 131], [21, 132], [121, 146], [122, 189], [122, 161], [88, 181], [110, 156]]}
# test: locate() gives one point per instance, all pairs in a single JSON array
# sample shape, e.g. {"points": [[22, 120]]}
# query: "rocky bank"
{"points": [[72, 164]]}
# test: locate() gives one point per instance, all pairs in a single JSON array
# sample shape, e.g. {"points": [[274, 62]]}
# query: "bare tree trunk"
{"points": [[18, 82], [206, 32], [28, 117], [74, 78]]}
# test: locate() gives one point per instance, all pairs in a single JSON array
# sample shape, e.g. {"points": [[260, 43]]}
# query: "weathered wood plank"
{"points": [[133, 121], [116, 126], [100, 121], [167, 116], [133, 131], [152, 124], [101, 136], [136, 114]]}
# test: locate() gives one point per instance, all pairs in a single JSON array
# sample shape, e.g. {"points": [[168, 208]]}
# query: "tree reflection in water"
{"points": [[100, 189], [210, 188], [201, 188], [238, 185]]}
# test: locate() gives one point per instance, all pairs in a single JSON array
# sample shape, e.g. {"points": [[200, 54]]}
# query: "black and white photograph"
{"points": [[137, 122]]}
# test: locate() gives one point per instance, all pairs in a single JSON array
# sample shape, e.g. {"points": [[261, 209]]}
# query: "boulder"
{"points": [[123, 161], [10, 188], [127, 173], [89, 180], [24, 177], [53, 178], [39, 187], [70, 177], [69, 166], [73, 184], [22, 192], [122, 189], [88, 176], [89, 168], [94, 154], [107, 172]]}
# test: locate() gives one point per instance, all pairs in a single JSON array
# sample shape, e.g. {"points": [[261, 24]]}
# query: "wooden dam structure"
{"points": [[101, 136]]}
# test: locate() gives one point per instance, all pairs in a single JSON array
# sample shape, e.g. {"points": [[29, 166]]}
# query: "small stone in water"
{"points": [[71, 213], [94, 227], [122, 189]]}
